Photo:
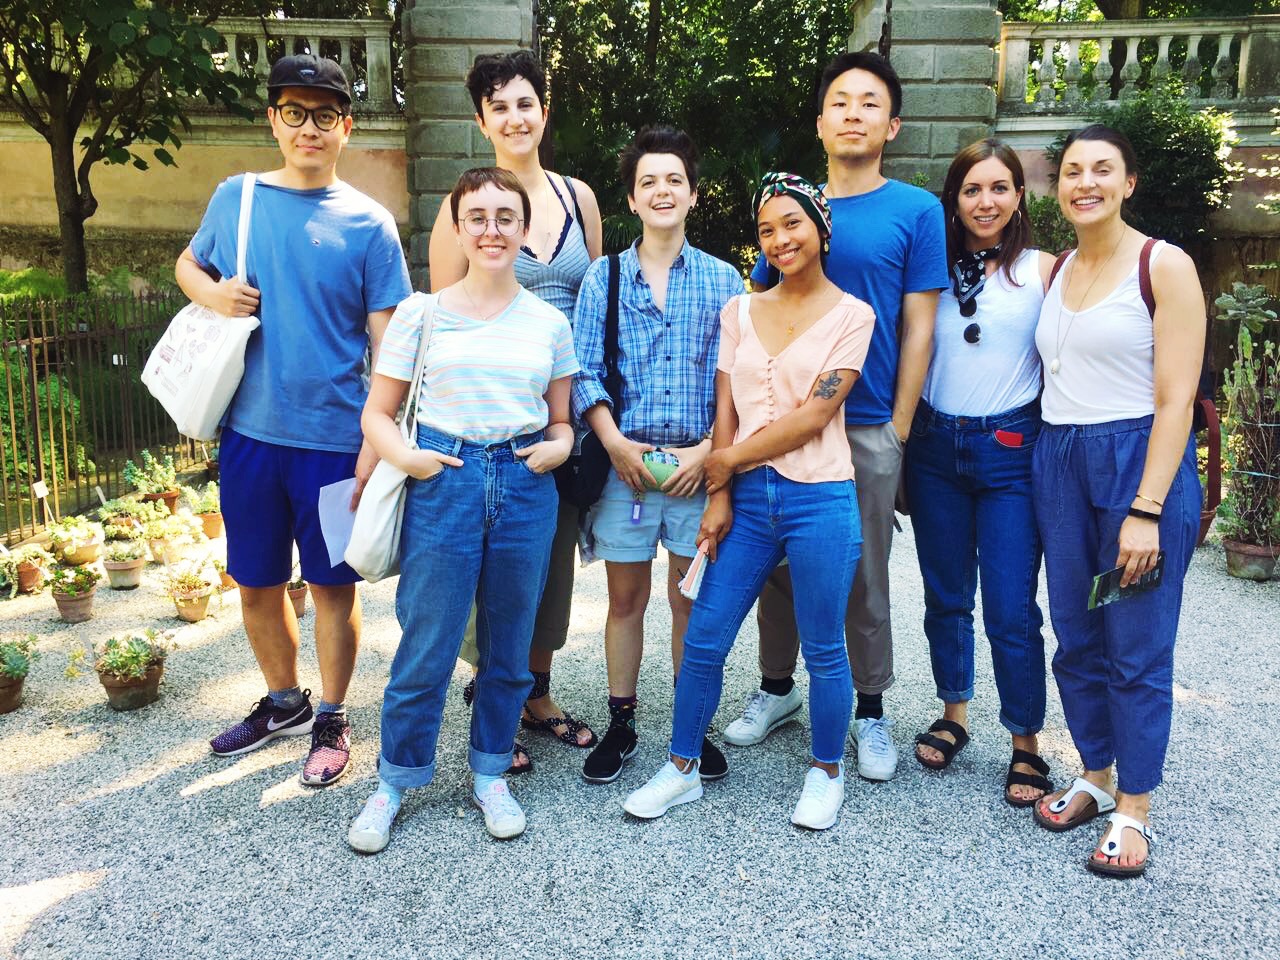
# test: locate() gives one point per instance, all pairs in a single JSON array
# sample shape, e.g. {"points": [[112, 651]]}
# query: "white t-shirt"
{"points": [[1105, 354], [1000, 372]]}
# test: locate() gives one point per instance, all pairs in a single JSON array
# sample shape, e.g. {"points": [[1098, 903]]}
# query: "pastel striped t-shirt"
{"points": [[484, 380]]}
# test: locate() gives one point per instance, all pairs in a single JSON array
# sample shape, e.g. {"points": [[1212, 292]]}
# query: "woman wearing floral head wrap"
{"points": [[780, 485]]}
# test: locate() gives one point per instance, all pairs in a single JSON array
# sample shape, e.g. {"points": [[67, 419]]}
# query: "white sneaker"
{"points": [[668, 788], [820, 799], [503, 817], [763, 714], [877, 756], [371, 831]]}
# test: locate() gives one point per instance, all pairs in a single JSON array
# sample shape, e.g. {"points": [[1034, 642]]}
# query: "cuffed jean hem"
{"points": [[626, 554], [406, 777], [488, 764], [1018, 730], [955, 696], [1138, 787]]}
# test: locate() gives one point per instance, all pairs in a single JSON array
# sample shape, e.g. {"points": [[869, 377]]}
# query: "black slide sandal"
{"points": [[948, 750]]}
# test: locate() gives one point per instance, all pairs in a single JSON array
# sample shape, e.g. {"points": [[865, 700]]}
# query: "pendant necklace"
{"points": [[482, 318], [1060, 338]]}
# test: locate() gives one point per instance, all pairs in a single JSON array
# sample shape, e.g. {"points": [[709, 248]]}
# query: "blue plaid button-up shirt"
{"points": [[667, 357]]}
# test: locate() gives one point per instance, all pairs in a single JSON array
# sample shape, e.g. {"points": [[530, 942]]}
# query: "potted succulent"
{"points": [[129, 666], [228, 581], [127, 514], [298, 594], [76, 540], [16, 656], [73, 589], [190, 590], [1249, 517], [155, 479], [123, 561], [175, 537], [24, 568], [205, 504]]}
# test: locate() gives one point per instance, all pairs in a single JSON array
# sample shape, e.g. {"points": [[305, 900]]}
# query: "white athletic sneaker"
{"points": [[820, 799], [503, 817], [668, 788], [877, 756], [371, 831], [763, 714]]}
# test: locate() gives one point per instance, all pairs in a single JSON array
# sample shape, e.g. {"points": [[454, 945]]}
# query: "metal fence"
{"points": [[74, 407]]}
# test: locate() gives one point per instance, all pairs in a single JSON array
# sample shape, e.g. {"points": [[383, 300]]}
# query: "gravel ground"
{"points": [[125, 838]]}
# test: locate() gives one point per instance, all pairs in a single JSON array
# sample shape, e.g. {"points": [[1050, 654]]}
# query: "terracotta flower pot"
{"points": [[124, 574], [212, 524], [1249, 561], [10, 693], [30, 578], [1206, 521], [85, 553], [299, 597], [192, 609], [170, 498], [130, 693], [75, 609]]}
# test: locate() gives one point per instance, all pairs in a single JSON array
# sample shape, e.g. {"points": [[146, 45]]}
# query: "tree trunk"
{"points": [[75, 267], [651, 36], [1120, 9]]}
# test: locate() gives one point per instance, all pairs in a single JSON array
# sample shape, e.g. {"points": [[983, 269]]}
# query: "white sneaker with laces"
{"points": [[877, 756], [668, 788], [762, 714], [503, 817], [820, 799], [371, 831]]}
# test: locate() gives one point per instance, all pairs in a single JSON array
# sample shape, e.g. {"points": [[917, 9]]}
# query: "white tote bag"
{"points": [[374, 549], [196, 367]]}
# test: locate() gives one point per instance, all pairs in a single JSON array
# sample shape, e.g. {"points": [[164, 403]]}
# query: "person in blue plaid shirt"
{"points": [[669, 301]]}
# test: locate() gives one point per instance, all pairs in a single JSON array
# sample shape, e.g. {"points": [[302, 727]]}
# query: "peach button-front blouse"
{"points": [[766, 387]]}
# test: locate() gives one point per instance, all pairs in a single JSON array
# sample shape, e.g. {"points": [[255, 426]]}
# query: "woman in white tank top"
{"points": [[1121, 337], [968, 465]]}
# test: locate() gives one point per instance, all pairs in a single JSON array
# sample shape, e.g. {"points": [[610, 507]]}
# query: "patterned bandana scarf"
{"points": [[970, 273], [805, 193]]}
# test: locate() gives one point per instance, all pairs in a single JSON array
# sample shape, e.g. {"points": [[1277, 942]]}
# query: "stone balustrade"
{"points": [[1061, 67]]}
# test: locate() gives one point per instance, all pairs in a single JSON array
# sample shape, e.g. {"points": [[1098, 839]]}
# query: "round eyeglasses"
{"points": [[294, 115], [507, 224]]}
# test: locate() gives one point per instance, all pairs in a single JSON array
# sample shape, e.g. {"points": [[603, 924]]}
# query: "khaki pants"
{"points": [[551, 628], [877, 463]]}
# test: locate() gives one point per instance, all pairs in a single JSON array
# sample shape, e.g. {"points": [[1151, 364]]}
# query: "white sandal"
{"points": [[1102, 802], [1110, 847]]}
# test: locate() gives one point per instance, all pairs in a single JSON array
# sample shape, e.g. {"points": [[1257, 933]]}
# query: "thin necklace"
{"points": [[1060, 337], [475, 306]]}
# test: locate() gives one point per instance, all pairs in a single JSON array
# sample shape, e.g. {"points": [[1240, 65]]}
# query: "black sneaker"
{"points": [[263, 724], [713, 765], [619, 744]]}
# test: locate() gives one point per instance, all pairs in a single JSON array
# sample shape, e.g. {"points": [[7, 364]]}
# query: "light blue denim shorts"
{"points": [[619, 536]]}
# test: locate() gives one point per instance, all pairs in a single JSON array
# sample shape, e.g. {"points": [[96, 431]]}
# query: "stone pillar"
{"points": [[441, 38], [944, 53]]}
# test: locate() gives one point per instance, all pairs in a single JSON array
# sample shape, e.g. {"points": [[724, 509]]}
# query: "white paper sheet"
{"points": [[337, 517]]}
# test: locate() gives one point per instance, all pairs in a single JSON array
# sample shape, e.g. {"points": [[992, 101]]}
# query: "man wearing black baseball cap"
{"points": [[324, 272]]}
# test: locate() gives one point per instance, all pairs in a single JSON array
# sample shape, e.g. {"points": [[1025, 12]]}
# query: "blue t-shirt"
{"points": [[884, 244], [324, 260]]}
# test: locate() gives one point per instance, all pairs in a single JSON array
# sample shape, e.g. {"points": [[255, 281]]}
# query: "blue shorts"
{"points": [[673, 521], [270, 500]]}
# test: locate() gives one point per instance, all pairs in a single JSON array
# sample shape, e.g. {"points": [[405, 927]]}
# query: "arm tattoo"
{"points": [[826, 388]]}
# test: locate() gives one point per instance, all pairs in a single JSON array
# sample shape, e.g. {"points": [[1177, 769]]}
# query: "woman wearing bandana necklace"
{"points": [[780, 484], [968, 465]]}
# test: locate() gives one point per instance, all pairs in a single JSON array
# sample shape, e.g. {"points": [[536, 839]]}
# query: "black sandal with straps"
{"points": [[1039, 780], [541, 687], [944, 747]]}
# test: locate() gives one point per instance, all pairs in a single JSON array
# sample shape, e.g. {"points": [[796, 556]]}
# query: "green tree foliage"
{"points": [[98, 79], [1050, 10], [740, 77]]}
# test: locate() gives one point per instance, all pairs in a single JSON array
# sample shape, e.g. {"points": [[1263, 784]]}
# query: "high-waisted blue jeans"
{"points": [[969, 486], [1114, 665], [478, 532], [816, 527]]}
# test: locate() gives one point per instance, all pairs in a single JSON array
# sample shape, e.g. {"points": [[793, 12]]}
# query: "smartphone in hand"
{"points": [[1106, 586]]}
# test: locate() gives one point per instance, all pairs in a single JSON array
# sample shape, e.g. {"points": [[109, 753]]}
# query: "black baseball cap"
{"points": [[306, 70]]}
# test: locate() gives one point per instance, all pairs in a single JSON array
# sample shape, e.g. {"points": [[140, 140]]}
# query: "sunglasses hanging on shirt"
{"points": [[970, 276]]}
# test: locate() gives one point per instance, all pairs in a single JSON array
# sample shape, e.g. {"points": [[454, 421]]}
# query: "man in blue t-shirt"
{"points": [[888, 248], [324, 272]]}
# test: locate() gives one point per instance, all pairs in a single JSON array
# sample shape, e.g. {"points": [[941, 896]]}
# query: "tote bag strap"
{"points": [[242, 227], [408, 422]]}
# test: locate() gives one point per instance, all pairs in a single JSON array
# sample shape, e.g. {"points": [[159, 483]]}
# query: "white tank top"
{"points": [[1002, 370], [1106, 354]]}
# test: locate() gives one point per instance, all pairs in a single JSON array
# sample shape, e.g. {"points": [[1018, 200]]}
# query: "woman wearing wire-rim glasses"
{"points": [[968, 465]]}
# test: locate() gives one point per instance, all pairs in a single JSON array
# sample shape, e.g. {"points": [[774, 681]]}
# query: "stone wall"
{"points": [[441, 38]]}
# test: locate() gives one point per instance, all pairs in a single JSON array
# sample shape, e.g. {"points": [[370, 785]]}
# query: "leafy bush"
{"points": [[1184, 173], [1050, 230], [54, 400]]}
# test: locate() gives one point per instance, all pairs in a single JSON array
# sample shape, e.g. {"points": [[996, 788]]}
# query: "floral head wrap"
{"points": [[805, 193]]}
